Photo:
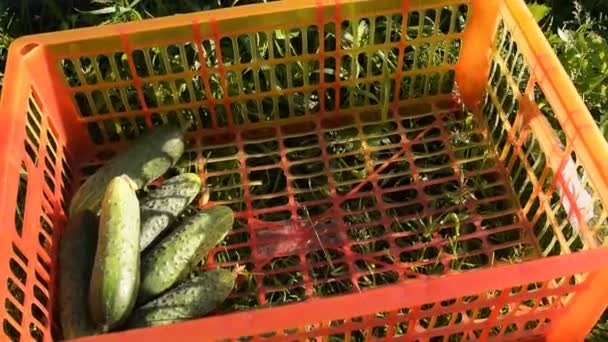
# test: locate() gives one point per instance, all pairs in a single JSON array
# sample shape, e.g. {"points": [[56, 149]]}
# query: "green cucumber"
{"points": [[146, 159], [161, 206], [76, 258], [175, 256], [191, 299], [115, 277]]}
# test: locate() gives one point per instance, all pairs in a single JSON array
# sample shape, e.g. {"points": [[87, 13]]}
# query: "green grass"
{"points": [[579, 34], [576, 35]]}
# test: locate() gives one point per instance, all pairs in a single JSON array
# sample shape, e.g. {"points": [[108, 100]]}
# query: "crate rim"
{"points": [[590, 260], [262, 320], [204, 16]]}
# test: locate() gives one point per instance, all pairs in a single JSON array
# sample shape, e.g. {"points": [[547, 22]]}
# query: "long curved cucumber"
{"points": [[115, 277], [146, 159], [191, 299], [161, 206], [76, 258], [174, 257]]}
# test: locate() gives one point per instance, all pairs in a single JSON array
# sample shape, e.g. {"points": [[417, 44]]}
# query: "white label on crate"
{"points": [[582, 198]]}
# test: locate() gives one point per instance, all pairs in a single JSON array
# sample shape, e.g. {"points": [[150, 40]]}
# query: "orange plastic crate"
{"points": [[386, 202]]}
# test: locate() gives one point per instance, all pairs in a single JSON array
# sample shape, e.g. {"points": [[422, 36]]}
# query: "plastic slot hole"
{"points": [[18, 271], [330, 39], [40, 295], [178, 60], [69, 71], [32, 138], [43, 263], [30, 150], [32, 128], [531, 325], [209, 54], [51, 140], [19, 253], [227, 49], [49, 181], [35, 105], [429, 23], [36, 332], [463, 13], [13, 311], [11, 332], [82, 103], [116, 100], [15, 290], [511, 328], [44, 243], [122, 64], [413, 25], [86, 68], [158, 62], [380, 331], [66, 172], [42, 281], [27, 48], [401, 329], [39, 315], [139, 61], [44, 223], [101, 105]]}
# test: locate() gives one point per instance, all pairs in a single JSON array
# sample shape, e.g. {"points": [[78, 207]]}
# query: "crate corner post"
{"points": [[477, 38], [583, 310]]}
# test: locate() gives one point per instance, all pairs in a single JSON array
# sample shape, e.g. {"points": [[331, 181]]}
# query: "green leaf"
{"points": [[596, 80], [539, 11], [366, 93], [105, 10], [280, 34], [564, 35], [133, 4], [387, 89], [328, 71], [362, 32]]}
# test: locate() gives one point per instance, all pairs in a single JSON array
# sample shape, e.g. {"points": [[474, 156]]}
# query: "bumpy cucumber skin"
{"points": [[174, 257], [76, 258], [115, 277], [162, 206], [146, 159], [191, 299]]}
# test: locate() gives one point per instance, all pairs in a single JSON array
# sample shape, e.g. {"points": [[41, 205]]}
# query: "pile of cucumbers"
{"points": [[128, 260]]}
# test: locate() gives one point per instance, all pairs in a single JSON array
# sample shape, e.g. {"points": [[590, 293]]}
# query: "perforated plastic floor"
{"points": [[339, 204]]}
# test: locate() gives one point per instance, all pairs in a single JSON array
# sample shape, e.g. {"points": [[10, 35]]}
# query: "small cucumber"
{"points": [[174, 257], [76, 258], [146, 159], [115, 277], [191, 299], [163, 205]]}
